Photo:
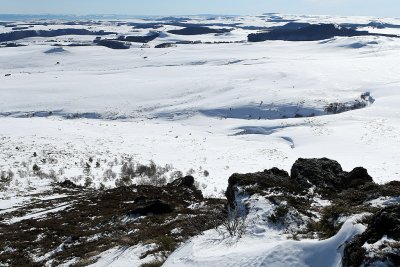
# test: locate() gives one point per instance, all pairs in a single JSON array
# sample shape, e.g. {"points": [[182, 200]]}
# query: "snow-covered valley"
{"points": [[209, 105]]}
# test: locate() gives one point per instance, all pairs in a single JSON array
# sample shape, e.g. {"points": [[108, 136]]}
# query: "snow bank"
{"points": [[122, 257], [208, 250]]}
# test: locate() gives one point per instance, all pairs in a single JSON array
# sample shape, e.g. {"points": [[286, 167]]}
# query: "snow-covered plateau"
{"points": [[117, 102]]}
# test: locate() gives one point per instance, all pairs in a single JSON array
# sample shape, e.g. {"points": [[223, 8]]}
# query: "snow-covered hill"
{"points": [[209, 105]]}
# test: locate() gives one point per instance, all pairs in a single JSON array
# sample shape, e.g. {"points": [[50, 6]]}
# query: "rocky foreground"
{"points": [[315, 200], [312, 202]]}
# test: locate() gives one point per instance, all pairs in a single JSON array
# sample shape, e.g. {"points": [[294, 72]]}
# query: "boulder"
{"points": [[187, 181], [384, 223], [259, 182], [68, 184], [146, 206], [357, 177], [323, 173], [276, 171]]}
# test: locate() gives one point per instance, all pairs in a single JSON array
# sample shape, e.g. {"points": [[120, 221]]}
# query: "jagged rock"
{"points": [[358, 176], [384, 223], [394, 183], [259, 182], [187, 181], [145, 206], [68, 184], [322, 173], [276, 171], [325, 176]]}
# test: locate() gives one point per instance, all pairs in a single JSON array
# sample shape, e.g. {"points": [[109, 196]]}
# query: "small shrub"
{"points": [[328, 225], [102, 186], [206, 173], [52, 175], [176, 175], [123, 181], [5, 179], [166, 243], [22, 173], [61, 171], [35, 168], [158, 180], [88, 181], [234, 223], [128, 170], [109, 175], [279, 214], [86, 169]]}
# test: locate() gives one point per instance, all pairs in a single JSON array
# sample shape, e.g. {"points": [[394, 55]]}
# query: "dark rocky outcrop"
{"points": [[17, 35], [348, 193], [340, 107], [384, 223], [187, 181], [326, 175], [68, 184], [259, 182], [357, 177], [319, 172], [145, 206]]}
